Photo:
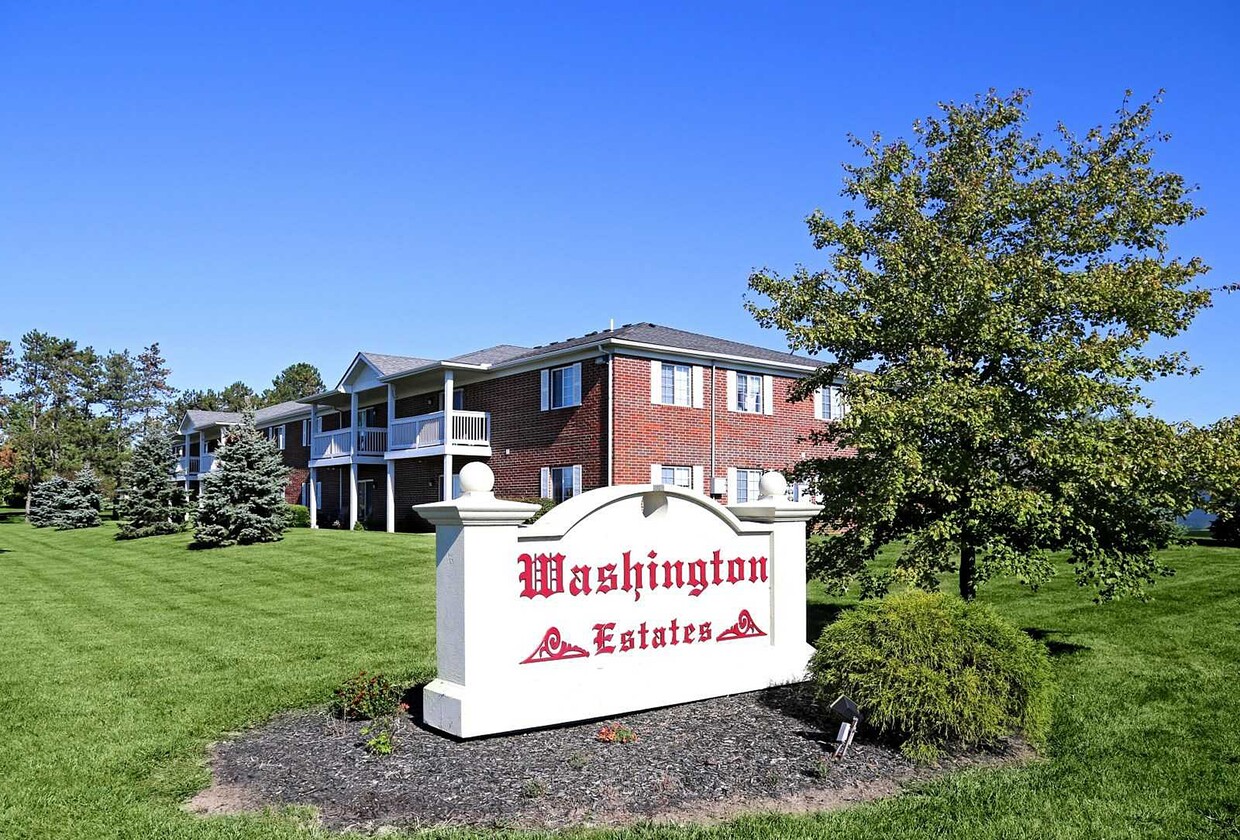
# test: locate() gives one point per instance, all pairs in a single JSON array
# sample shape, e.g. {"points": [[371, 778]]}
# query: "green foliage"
{"points": [[153, 504], [366, 697], [66, 505], [1004, 288], [298, 516], [236, 397], [544, 505], [294, 382], [932, 671], [242, 499], [1217, 465]]}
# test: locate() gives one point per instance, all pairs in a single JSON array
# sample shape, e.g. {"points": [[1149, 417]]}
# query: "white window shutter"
{"points": [[656, 382], [577, 479], [838, 406], [698, 376], [577, 384], [546, 392], [656, 473], [318, 495], [768, 395], [544, 482], [731, 390], [732, 486], [818, 404], [699, 480]]}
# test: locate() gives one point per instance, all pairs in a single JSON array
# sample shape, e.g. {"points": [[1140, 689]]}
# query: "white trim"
{"points": [[546, 388], [656, 382], [731, 375], [732, 486], [818, 403], [656, 473], [699, 479], [576, 479], [768, 394], [544, 483], [699, 374]]}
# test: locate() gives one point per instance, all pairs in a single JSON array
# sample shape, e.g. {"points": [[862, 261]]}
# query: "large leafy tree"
{"points": [[1004, 287], [236, 397], [294, 382], [1217, 462]]}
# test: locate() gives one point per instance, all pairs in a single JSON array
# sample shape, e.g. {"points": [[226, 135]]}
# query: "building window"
{"points": [[749, 392], [678, 476], [560, 483], [747, 485], [566, 386], [831, 403], [677, 381], [276, 435]]}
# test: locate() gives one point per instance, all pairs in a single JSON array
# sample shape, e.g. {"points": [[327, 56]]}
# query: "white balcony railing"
{"points": [[195, 464], [362, 441], [469, 428]]}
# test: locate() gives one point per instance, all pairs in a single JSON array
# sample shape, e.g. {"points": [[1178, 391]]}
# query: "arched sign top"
{"points": [[574, 512]]}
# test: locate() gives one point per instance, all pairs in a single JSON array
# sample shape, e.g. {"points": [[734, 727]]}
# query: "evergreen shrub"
{"points": [[242, 499], [931, 671], [153, 503], [298, 516]]}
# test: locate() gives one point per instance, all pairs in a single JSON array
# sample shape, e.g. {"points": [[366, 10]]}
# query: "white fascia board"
{"points": [[394, 377], [322, 395], [557, 358], [698, 356]]}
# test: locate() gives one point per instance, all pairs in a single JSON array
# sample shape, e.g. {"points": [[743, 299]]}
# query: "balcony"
{"points": [[471, 431], [344, 443], [189, 465]]}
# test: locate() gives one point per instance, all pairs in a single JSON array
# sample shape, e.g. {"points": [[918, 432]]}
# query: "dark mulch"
{"points": [[701, 761]]}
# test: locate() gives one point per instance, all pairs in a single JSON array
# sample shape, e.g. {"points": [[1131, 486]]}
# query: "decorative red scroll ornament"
{"points": [[744, 628], [553, 648]]}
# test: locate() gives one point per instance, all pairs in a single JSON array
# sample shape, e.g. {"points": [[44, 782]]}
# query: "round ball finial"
{"points": [[477, 477], [772, 485]]}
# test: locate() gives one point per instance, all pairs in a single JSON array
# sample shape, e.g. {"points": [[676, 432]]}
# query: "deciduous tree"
{"points": [[1004, 287], [294, 382]]}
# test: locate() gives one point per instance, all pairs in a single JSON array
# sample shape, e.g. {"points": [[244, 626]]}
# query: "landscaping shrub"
{"points": [[366, 697], [544, 505], [1226, 528], [931, 670], [152, 504], [242, 499], [298, 516], [43, 498], [66, 505]]}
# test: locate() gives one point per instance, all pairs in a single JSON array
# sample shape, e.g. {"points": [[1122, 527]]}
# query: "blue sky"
{"points": [[253, 184]]}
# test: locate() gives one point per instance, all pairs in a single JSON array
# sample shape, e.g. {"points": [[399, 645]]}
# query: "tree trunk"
{"points": [[968, 569]]}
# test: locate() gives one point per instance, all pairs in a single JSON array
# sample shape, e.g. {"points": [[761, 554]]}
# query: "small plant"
{"points": [[617, 733], [819, 770], [366, 697], [380, 740], [931, 670], [533, 789], [578, 761], [359, 526], [544, 505]]}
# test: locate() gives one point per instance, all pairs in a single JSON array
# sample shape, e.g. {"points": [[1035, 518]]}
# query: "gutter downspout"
{"points": [[711, 489]]}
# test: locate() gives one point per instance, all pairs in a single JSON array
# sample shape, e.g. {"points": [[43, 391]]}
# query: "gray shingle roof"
{"points": [[646, 333], [200, 419], [491, 355], [388, 365]]}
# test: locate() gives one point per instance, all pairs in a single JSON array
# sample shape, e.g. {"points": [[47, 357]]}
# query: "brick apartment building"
{"points": [[637, 404]]}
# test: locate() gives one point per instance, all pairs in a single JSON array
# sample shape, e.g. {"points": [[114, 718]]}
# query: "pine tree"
{"points": [[243, 498], [78, 505], [43, 497], [153, 503]]}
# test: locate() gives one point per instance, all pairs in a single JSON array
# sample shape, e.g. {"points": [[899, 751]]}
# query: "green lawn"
{"points": [[119, 662]]}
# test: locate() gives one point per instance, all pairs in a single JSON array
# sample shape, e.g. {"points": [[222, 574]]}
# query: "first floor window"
{"points": [[747, 485], [561, 483], [678, 476], [749, 393]]}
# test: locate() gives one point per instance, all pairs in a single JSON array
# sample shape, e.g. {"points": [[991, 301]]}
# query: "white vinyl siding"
{"points": [[561, 387]]}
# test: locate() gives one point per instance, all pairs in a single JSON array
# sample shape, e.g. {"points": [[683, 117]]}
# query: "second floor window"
{"points": [[749, 392], [276, 435], [566, 386], [831, 403], [677, 380]]}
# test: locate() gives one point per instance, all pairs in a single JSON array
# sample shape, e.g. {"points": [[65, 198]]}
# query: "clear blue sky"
{"points": [[253, 184]]}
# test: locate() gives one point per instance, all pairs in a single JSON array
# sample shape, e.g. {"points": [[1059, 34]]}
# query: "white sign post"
{"points": [[620, 599]]}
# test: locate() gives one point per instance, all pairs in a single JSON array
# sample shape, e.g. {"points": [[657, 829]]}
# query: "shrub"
{"points": [[544, 505], [153, 503], [242, 500], [930, 670], [298, 516], [366, 697], [1226, 528]]}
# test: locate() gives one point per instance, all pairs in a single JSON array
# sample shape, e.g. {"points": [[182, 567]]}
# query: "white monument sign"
{"points": [[619, 599]]}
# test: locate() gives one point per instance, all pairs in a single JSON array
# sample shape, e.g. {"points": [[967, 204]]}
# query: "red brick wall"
{"points": [[524, 438], [648, 434], [296, 457]]}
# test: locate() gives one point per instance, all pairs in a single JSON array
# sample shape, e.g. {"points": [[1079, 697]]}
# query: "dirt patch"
{"points": [[700, 762]]}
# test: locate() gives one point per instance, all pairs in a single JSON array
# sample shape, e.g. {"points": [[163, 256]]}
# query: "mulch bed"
{"points": [[698, 762]]}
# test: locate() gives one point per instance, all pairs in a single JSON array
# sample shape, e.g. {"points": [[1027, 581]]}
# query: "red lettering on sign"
{"points": [[697, 577], [606, 578], [716, 562], [704, 632], [602, 635], [757, 569], [580, 584], [736, 570], [542, 574], [626, 641]]}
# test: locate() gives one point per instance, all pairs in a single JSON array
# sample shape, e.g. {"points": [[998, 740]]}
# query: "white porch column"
{"points": [[448, 421], [391, 406], [353, 422], [353, 495], [391, 497], [314, 427], [314, 494], [185, 461]]}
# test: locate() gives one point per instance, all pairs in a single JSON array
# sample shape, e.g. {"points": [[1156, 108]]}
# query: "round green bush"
{"points": [[298, 516], [931, 670]]}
